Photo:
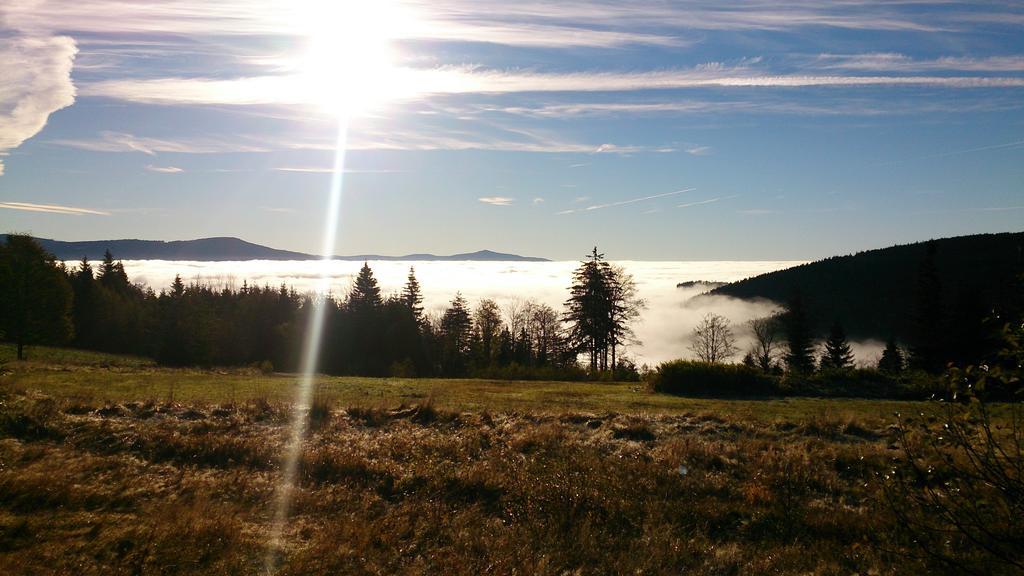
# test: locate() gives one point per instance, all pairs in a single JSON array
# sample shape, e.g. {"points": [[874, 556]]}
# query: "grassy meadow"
{"points": [[112, 465]]}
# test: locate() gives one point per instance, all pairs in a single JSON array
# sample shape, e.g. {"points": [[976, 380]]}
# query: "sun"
{"points": [[349, 63]]}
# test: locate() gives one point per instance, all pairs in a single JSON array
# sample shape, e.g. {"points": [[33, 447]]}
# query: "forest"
{"points": [[95, 306]]}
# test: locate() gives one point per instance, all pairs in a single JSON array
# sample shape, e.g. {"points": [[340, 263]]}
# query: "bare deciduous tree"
{"points": [[767, 346], [713, 340]]}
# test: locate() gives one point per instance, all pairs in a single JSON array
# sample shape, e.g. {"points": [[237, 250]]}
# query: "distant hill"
{"points": [[873, 293], [218, 249], [702, 284]]}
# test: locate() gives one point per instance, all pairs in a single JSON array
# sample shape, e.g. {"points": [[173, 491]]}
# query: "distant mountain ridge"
{"points": [[227, 248], [874, 293]]}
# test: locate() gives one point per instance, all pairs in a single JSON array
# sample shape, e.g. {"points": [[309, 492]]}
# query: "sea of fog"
{"points": [[664, 328]]}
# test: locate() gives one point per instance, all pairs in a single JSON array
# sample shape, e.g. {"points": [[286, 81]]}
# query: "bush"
{"points": [[863, 383], [689, 378], [850, 382]]}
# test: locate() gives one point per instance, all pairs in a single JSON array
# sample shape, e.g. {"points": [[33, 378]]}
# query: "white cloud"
{"points": [[538, 200], [109, 141], [896, 62], [52, 209], [36, 83], [497, 200], [419, 83], [164, 169]]}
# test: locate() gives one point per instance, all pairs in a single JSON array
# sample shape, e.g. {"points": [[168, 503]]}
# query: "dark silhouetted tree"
{"points": [[365, 294], [85, 304], [799, 338], [891, 361], [588, 310], [112, 275], [35, 298], [487, 328], [766, 348], [928, 349], [456, 331], [837, 354], [365, 334], [412, 297], [624, 307]]}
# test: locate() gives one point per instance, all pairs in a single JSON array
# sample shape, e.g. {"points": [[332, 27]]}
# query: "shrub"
{"points": [[689, 378]]}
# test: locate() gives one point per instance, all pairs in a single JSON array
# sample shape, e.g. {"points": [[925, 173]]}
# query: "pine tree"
{"points": [[84, 305], [892, 358], [799, 339], [928, 351], [411, 296], [589, 310], [365, 295], [177, 287], [837, 355], [35, 298], [112, 275], [456, 330]]}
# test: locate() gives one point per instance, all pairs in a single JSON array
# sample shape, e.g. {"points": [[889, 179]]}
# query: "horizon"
{"points": [[659, 132], [518, 255]]}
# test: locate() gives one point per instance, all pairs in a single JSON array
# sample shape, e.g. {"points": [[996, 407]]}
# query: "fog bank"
{"points": [[665, 327]]}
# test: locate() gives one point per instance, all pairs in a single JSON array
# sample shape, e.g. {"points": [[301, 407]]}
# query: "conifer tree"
{"points": [[799, 339], [84, 305], [589, 310], [928, 351], [411, 296], [365, 295], [112, 275], [837, 355], [892, 358], [35, 298], [456, 330]]}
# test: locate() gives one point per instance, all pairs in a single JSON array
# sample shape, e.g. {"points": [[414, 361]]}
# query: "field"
{"points": [[111, 465]]}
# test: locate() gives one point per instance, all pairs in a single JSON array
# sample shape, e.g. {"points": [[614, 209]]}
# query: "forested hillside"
{"points": [[877, 293]]}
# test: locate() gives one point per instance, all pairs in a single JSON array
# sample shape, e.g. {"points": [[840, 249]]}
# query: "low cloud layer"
{"points": [[665, 327], [36, 83]]}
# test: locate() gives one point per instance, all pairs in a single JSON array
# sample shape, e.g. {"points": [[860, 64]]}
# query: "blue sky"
{"points": [[655, 130]]}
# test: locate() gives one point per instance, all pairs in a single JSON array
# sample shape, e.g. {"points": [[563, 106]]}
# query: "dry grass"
{"points": [[166, 488]]}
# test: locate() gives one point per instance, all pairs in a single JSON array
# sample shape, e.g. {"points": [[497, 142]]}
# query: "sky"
{"points": [[752, 130]]}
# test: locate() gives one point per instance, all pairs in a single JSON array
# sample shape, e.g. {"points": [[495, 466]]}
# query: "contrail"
{"points": [[955, 153], [624, 202]]}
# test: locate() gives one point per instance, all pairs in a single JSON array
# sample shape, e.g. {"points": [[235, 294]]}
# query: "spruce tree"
{"points": [[456, 330], [365, 295], [35, 298], [84, 305], [589, 310], [411, 296], [112, 275], [928, 350], [837, 355], [892, 358], [799, 339]]}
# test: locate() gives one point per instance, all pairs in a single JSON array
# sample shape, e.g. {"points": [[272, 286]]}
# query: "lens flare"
{"points": [[311, 353]]}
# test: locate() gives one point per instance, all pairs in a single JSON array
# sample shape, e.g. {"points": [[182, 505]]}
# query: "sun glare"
{"points": [[349, 65]]}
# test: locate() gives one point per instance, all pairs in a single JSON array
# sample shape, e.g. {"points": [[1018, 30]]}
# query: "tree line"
{"points": [[940, 335], [96, 307]]}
